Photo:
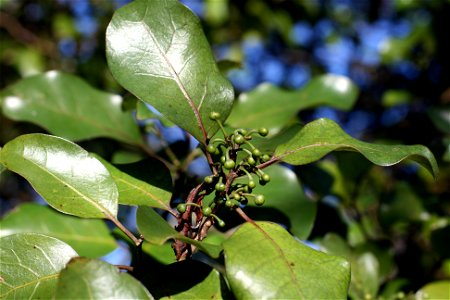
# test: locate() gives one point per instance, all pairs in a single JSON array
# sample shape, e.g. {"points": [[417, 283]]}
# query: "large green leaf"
{"points": [[434, 290], [89, 237], [203, 283], [263, 261], [272, 107], [65, 175], [157, 231], [157, 51], [154, 190], [67, 106], [323, 136], [285, 194], [85, 278], [30, 264]]}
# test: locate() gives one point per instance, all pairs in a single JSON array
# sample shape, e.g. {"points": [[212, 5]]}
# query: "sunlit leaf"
{"points": [[263, 261], [67, 106], [272, 107], [154, 190], [30, 264], [157, 51], [323, 136], [434, 290], [85, 278], [89, 237], [65, 175], [284, 194], [157, 231]]}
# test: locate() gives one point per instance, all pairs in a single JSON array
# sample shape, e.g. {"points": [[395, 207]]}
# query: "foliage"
{"points": [[232, 229]]}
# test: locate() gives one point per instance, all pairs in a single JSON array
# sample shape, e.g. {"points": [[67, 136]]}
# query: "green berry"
{"points": [[207, 211], [242, 131], [229, 203], [229, 164], [181, 208], [209, 179], [251, 184], [263, 131], [259, 200], [239, 139], [256, 152], [251, 161], [236, 196], [220, 187], [214, 115], [265, 157], [211, 148], [265, 177], [221, 223], [223, 159]]}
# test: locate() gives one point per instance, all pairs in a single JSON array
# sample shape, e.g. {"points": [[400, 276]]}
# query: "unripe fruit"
{"points": [[207, 211], [251, 161], [251, 184], [209, 179], [220, 187], [263, 131], [265, 157], [214, 115], [229, 164], [239, 139], [221, 223], [265, 177], [242, 131], [223, 159], [256, 152], [259, 200], [181, 208], [211, 148], [236, 196], [229, 203]]}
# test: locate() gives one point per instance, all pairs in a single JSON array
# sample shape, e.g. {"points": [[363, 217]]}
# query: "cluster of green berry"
{"points": [[232, 156]]}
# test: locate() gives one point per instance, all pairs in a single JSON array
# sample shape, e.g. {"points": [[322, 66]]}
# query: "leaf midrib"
{"points": [[174, 74], [89, 200]]}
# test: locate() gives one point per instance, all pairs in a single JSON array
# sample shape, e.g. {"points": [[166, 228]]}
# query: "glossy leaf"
{"points": [[88, 237], [323, 136], [67, 106], [157, 231], [434, 290], [30, 264], [154, 191], [200, 281], [285, 194], [64, 174], [263, 261], [272, 107], [84, 278], [157, 51]]}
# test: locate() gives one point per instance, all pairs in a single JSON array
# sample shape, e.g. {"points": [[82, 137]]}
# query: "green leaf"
{"points": [[65, 175], [155, 188], [285, 194], [157, 51], [263, 261], [434, 290], [85, 278], [365, 272], [199, 281], [322, 136], [30, 264], [272, 107], [157, 231], [89, 237], [67, 106]]}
